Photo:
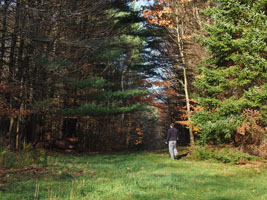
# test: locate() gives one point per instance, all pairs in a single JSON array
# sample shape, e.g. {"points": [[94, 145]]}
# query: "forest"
{"points": [[88, 90], [109, 76]]}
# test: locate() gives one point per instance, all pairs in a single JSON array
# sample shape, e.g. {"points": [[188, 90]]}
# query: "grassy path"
{"points": [[136, 176]]}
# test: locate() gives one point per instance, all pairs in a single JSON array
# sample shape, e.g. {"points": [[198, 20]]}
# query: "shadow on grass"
{"points": [[182, 156]]}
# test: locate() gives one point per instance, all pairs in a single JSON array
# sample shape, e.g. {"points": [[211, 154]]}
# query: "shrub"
{"points": [[27, 158], [7, 159], [224, 155], [214, 127]]}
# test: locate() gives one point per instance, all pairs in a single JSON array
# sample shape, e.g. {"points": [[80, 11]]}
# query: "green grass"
{"points": [[140, 175]]}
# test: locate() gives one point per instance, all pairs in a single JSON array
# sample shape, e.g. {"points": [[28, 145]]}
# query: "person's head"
{"points": [[172, 125]]}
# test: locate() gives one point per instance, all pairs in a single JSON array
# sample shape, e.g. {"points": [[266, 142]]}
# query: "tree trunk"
{"points": [[3, 130], [3, 35], [12, 134], [14, 40], [181, 51], [124, 67]]}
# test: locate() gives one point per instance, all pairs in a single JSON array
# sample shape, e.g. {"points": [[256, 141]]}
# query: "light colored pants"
{"points": [[172, 149]]}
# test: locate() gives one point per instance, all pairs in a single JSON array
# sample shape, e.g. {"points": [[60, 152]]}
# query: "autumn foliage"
{"points": [[159, 15]]}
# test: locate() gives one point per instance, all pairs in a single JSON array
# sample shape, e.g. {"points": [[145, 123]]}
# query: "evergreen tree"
{"points": [[234, 77], [114, 60], [69, 65]]}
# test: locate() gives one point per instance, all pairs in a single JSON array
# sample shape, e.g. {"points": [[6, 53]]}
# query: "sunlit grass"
{"points": [[138, 176]]}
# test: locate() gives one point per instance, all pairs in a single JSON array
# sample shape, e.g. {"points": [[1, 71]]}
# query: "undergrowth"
{"points": [[224, 155], [23, 159]]}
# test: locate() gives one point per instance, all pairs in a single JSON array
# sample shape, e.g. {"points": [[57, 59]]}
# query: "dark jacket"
{"points": [[172, 134]]}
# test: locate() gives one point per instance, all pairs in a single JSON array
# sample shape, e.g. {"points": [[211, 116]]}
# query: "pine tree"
{"points": [[69, 63], [111, 86], [234, 77]]}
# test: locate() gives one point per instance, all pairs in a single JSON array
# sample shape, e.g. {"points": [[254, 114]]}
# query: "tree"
{"points": [[70, 65], [181, 20], [233, 77]]}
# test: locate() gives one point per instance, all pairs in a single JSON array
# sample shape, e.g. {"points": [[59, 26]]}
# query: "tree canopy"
{"points": [[105, 72], [233, 78]]}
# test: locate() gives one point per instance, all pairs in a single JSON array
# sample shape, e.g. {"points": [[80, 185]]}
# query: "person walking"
{"points": [[171, 140]]}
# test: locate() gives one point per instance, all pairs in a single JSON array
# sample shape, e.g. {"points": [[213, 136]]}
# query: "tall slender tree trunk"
{"points": [[12, 133], [3, 35], [18, 134], [181, 51], [14, 40], [124, 69]]}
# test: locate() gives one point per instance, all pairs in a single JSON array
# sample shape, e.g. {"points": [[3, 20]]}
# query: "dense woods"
{"points": [[70, 70], [106, 76], [233, 78]]}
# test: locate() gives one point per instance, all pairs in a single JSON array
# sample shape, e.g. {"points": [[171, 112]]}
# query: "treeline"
{"points": [[100, 76], [222, 97], [71, 71], [233, 80]]}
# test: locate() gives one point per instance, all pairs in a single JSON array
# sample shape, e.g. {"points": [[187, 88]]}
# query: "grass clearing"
{"points": [[142, 175]]}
